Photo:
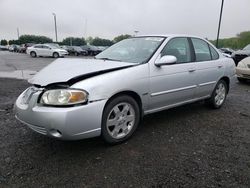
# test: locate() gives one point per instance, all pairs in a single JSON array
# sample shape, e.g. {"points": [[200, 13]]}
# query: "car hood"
{"points": [[65, 70], [244, 52]]}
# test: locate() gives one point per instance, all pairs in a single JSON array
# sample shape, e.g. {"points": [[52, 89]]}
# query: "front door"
{"points": [[173, 84]]}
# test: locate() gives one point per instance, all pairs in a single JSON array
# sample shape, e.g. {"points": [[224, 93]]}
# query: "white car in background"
{"points": [[243, 70], [46, 51]]}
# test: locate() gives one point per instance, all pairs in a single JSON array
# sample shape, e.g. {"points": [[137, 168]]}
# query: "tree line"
{"points": [[70, 41], [240, 41]]}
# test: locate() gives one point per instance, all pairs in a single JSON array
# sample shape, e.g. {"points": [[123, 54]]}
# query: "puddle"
{"points": [[18, 74]]}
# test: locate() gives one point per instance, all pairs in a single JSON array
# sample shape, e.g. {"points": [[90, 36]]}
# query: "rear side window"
{"points": [[214, 54], [38, 46], [201, 49], [45, 47], [178, 47]]}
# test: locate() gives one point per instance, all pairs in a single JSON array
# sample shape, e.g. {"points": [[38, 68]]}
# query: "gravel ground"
{"points": [[188, 146]]}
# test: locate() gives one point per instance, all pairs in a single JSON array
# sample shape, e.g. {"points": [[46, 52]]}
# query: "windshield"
{"points": [[133, 50], [247, 47]]}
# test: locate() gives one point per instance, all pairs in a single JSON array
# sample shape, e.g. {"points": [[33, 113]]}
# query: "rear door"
{"points": [[209, 68], [39, 49], [173, 84]]}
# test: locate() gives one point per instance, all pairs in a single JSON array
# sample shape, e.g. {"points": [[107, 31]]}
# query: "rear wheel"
{"points": [[219, 95], [33, 54], [55, 55], [120, 119]]}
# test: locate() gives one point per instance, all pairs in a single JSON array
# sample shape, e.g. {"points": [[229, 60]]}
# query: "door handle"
{"points": [[220, 66], [191, 70]]}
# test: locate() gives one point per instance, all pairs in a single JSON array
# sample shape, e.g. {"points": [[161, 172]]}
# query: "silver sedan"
{"points": [[108, 96]]}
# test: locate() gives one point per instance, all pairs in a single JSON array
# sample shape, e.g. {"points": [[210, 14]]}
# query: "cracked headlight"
{"points": [[64, 97]]}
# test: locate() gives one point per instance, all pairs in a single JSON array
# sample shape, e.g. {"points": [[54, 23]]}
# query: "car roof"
{"points": [[169, 35]]}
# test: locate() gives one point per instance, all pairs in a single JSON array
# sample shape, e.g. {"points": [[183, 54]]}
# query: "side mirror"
{"points": [[166, 60]]}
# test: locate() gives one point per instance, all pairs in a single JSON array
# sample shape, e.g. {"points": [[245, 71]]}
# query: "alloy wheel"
{"points": [[220, 94], [121, 120]]}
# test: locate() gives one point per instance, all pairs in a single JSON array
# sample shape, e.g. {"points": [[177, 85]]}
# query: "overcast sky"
{"points": [[109, 18]]}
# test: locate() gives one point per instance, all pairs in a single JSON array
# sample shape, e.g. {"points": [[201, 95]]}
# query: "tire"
{"points": [[123, 115], [241, 80], [55, 55], [76, 54], [33, 54], [219, 95]]}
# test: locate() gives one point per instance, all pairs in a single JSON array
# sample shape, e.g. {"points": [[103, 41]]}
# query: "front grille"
{"points": [[40, 130]]}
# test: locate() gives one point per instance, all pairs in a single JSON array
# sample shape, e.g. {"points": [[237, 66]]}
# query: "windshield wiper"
{"points": [[108, 59]]}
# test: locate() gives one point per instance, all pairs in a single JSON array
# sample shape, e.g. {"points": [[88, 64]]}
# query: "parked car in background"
{"points": [[3, 48], [243, 70], [79, 51], [13, 48], [28, 45], [108, 96], [241, 54], [69, 49], [102, 48], [75, 50], [21, 48], [46, 51], [228, 51], [92, 50]]}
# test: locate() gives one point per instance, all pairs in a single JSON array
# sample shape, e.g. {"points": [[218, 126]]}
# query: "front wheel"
{"points": [[55, 55], [33, 54], [219, 95], [121, 117]]}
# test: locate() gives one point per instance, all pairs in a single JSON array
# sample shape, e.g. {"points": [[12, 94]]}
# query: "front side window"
{"points": [[132, 50], [201, 50], [178, 47]]}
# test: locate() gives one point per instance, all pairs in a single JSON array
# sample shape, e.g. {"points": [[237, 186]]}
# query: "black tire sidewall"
{"points": [[55, 56], [31, 54], [242, 80], [119, 99], [212, 100]]}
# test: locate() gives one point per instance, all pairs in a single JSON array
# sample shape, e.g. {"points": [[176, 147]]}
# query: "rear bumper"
{"points": [[71, 123]]}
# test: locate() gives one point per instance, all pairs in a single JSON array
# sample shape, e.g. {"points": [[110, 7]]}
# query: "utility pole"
{"points": [[218, 33], [85, 28], [70, 41], [55, 25], [17, 29]]}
